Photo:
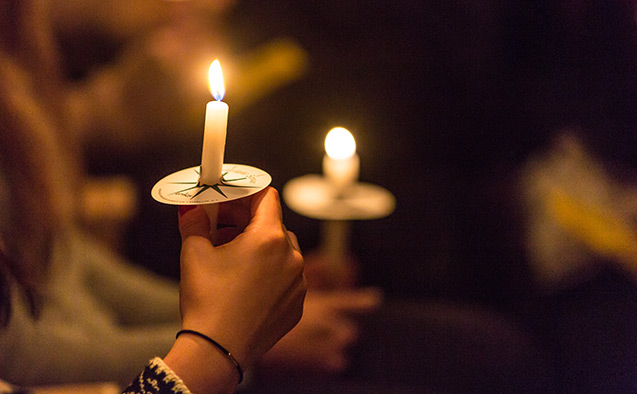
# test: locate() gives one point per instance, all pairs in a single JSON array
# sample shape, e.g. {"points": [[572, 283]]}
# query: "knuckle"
{"points": [[297, 264], [274, 240]]}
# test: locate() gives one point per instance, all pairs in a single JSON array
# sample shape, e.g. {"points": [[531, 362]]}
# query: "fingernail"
{"points": [[182, 209]]}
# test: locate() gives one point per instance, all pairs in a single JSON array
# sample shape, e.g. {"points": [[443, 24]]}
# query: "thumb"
{"points": [[193, 223]]}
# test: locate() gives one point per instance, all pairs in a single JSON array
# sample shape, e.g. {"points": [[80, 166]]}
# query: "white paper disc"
{"points": [[312, 196], [182, 187]]}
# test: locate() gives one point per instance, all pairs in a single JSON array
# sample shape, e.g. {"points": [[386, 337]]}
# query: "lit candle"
{"points": [[341, 164], [214, 137], [214, 140]]}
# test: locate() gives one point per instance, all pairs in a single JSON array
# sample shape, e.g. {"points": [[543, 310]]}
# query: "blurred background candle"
{"points": [[341, 167], [338, 266], [341, 164], [214, 138]]}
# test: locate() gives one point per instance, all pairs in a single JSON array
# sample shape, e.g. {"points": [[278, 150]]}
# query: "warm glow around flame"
{"points": [[339, 143], [215, 81]]}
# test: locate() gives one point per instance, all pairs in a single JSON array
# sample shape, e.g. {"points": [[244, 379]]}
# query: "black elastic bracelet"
{"points": [[218, 346]]}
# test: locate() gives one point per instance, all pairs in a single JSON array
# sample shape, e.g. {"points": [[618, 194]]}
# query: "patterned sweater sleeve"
{"points": [[157, 378]]}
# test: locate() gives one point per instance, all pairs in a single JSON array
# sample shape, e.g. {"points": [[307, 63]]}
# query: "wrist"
{"points": [[218, 347], [201, 366]]}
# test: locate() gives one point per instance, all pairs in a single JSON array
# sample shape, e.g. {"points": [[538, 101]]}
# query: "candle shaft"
{"points": [[214, 142], [335, 240], [341, 173]]}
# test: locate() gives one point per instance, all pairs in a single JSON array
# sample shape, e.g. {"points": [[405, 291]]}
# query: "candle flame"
{"points": [[339, 143], [215, 81]]}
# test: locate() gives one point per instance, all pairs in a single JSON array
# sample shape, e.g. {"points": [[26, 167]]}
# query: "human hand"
{"points": [[328, 328], [245, 294]]}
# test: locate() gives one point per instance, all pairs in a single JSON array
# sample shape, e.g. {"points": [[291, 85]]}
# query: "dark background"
{"points": [[446, 99]]}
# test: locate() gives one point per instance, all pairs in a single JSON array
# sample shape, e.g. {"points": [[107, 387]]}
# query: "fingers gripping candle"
{"points": [[214, 139]]}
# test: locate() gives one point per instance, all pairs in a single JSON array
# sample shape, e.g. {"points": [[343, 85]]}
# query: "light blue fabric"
{"points": [[102, 320]]}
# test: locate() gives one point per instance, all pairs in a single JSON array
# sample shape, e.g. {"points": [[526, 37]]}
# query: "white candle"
{"points": [[214, 140], [341, 164], [335, 241], [340, 167], [214, 137]]}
